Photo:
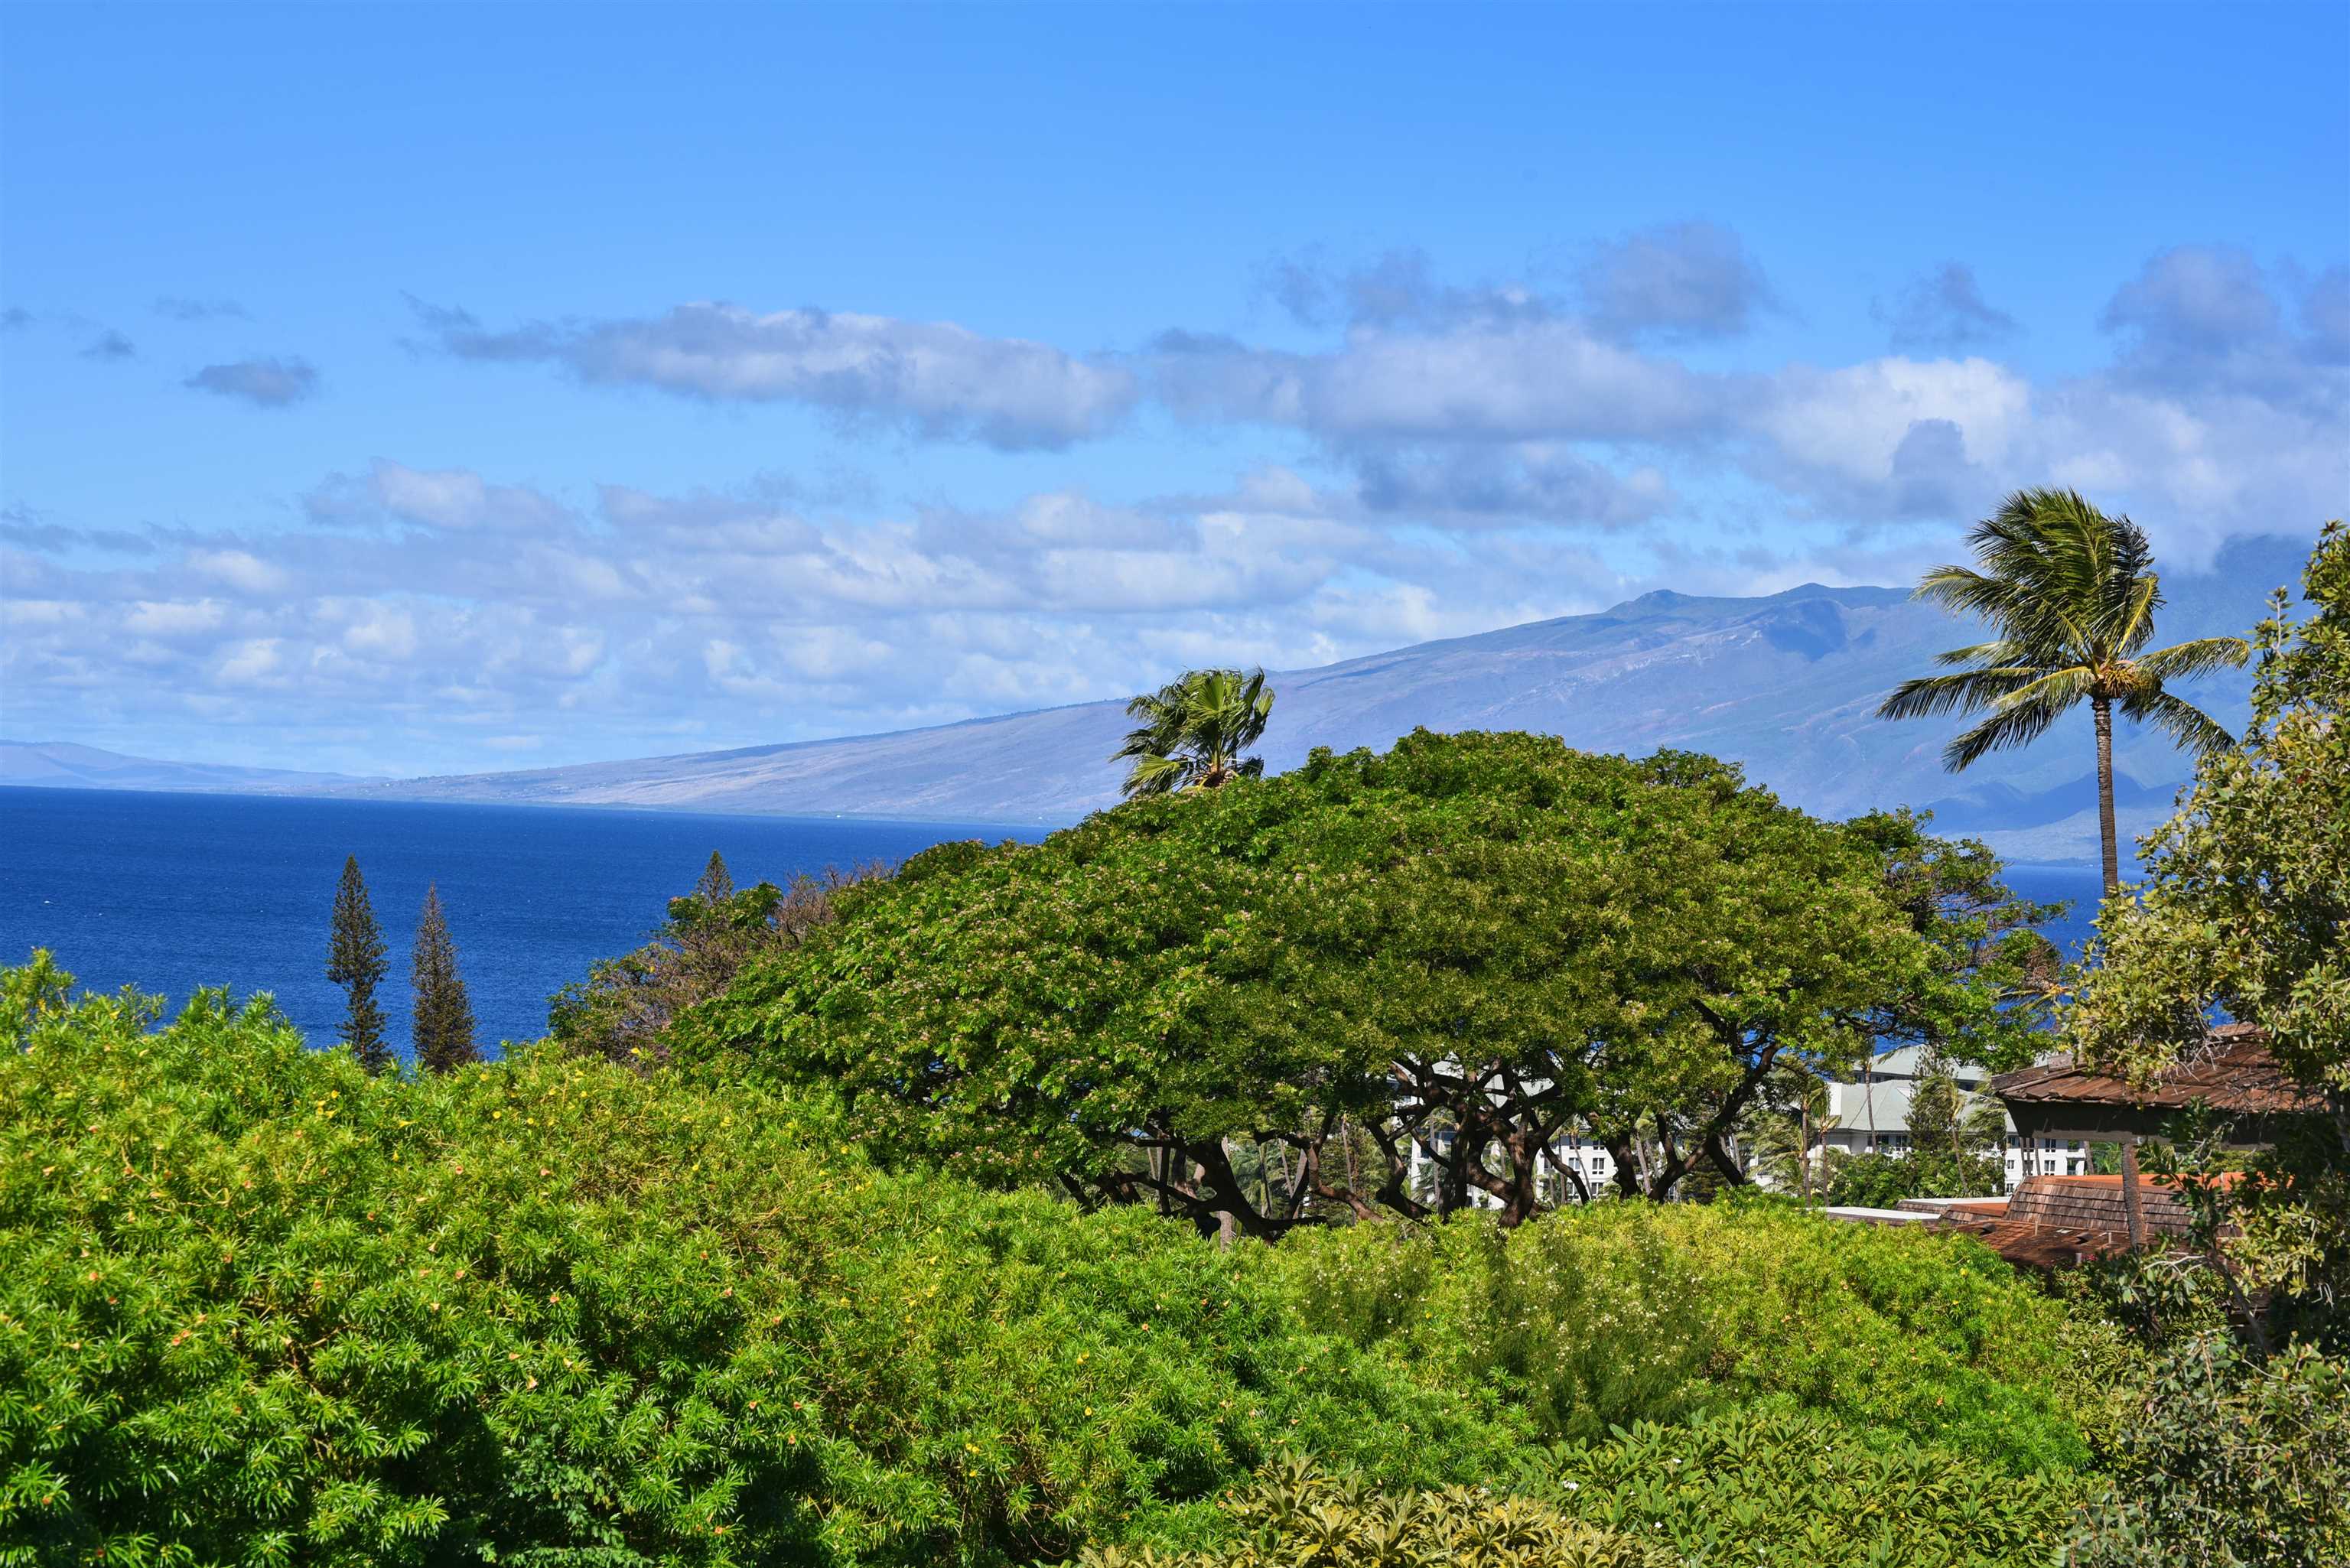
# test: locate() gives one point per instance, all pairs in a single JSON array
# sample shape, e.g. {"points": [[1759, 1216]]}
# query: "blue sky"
{"points": [[425, 390]]}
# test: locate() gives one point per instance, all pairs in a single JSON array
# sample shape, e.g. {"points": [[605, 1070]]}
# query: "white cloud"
{"points": [[1449, 460], [939, 379], [240, 569], [174, 619], [1853, 423]]}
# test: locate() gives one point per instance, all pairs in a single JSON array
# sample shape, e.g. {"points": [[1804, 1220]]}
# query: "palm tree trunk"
{"points": [[2103, 708]]}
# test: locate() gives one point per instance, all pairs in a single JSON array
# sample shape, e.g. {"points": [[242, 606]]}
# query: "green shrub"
{"points": [[1745, 1489], [1786, 1489], [1298, 1517], [2230, 1463], [257, 1306], [1622, 1311], [1876, 1180]]}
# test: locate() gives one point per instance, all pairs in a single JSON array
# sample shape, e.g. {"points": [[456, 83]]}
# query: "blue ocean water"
{"points": [[170, 892]]}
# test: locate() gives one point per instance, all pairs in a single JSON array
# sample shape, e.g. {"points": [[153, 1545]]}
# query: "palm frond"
{"points": [[1968, 692], [2018, 719], [2133, 620], [1157, 776], [2184, 660], [1965, 591], [2180, 719], [2001, 651]]}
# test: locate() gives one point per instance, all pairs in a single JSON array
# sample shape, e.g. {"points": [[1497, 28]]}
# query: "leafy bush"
{"points": [[1622, 1313], [1298, 1517], [1784, 1489], [1878, 1180], [1745, 1489], [2230, 1463], [258, 1306]]}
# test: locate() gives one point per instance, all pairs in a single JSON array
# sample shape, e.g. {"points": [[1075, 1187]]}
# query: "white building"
{"points": [[1573, 1152], [1872, 1117]]}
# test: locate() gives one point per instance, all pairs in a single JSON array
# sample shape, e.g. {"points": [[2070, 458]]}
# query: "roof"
{"points": [[2057, 1221], [2232, 1072]]}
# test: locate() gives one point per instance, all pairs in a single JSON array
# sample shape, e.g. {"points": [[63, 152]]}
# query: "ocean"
{"points": [[170, 892]]}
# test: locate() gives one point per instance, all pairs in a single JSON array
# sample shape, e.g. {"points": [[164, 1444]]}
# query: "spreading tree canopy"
{"points": [[1465, 946]]}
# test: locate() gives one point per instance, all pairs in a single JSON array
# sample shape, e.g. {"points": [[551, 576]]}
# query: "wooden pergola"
{"points": [[2231, 1072]]}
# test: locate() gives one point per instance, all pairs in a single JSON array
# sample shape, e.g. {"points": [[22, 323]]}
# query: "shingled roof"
{"points": [[2232, 1072], [2058, 1222]]}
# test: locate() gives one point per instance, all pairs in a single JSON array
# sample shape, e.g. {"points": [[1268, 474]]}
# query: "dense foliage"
{"points": [[1779, 1489], [1298, 1517], [1626, 1313], [258, 1306], [1464, 946], [2232, 1459], [2230, 1463], [622, 1011], [2247, 911]]}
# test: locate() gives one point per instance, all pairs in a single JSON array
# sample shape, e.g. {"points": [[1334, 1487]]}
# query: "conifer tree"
{"points": [[445, 1016], [356, 961]]}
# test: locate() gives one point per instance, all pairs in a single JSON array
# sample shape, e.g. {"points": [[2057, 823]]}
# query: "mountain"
{"points": [[1786, 685], [61, 765]]}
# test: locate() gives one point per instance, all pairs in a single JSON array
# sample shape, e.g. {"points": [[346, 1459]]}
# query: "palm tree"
{"points": [[1193, 732], [2071, 594]]}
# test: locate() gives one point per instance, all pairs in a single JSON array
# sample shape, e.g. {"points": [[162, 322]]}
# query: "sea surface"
{"points": [[170, 892]]}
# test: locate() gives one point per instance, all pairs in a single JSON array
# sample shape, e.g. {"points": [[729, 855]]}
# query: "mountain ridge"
{"points": [[1786, 684]]}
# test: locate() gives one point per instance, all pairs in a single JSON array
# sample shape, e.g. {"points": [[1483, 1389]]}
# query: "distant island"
{"points": [[1786, 685]]}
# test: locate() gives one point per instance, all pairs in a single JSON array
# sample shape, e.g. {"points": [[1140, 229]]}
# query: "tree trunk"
{"points": [[1225, 1225], [2103, 709], [1803, 1151]]}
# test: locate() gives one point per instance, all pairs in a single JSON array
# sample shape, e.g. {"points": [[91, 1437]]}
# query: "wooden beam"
{"points": [[2130, 1204]]}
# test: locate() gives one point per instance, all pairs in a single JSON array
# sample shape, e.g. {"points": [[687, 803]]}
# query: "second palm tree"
{"points": [[1193, 732], [2071, 594]]}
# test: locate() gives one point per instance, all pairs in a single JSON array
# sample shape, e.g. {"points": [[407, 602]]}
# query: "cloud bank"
{"points": [[1413, 457]]}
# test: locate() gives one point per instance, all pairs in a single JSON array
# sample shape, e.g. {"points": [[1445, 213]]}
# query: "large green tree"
{"points": [[1459, 949], [2248, 912], [356, 961], [2070, 594], [1193, 732], [444, 1036]]}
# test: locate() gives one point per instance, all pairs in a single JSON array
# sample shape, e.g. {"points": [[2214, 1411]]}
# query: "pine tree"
{"points": [[445, 1016], [357, 962]]}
